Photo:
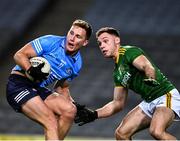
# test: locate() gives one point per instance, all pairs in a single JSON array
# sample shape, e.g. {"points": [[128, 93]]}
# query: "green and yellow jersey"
{"points": [[128, 76]]}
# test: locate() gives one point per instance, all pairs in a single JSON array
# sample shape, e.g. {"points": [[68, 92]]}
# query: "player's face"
{"points": [[76, 38], [107, 44]]}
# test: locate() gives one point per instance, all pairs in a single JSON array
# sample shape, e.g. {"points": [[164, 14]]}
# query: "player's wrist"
{"points": [[29, 73], [151, 82], [32, 71], [78, 106], [95, 115]]}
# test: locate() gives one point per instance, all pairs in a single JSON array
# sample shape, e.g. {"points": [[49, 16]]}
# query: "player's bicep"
{"points": [[141, 62], [27, 51], [21, 57]]}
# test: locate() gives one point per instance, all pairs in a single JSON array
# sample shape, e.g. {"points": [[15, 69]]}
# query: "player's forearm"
{"points": [[150, 72], [143, 64], [109, 109], [22, 60]]}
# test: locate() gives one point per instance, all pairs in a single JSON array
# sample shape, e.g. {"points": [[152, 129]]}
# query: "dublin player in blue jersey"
{"points": [[53, 109]]}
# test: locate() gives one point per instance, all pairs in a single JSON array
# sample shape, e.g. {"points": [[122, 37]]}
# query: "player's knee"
{"points": [[156, 133], [121, 135], [70, 111]]}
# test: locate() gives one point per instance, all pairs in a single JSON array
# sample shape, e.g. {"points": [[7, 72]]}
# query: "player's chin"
{"points": [[106, 55], [70, 49]]}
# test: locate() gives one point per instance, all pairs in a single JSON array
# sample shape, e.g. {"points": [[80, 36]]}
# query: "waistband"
{"points": [[11, 76], [24, 79]]}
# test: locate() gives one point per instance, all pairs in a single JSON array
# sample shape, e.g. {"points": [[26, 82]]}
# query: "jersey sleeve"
{"points": [[133, 53], [43, 44], [117, 84]]}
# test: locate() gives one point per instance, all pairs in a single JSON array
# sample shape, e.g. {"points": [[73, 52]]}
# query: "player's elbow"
{"points": [[17, 56], [118, 106]]}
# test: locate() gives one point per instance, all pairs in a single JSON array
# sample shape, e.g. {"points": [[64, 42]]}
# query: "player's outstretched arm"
{"points": [[116, 105], [87, 115]]}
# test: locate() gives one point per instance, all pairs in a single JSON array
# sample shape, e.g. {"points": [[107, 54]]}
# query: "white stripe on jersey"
{"points": [[21, 95], [37, 45]]}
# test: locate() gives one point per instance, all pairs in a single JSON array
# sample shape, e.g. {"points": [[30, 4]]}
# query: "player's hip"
{"points": [[170, 100], [20, 89]]}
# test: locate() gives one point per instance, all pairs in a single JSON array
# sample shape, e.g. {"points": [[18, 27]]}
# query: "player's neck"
{"points": [[116, 54], [72, 53]]}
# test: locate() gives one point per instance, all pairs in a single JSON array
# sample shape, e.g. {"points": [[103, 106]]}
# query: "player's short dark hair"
{"points": [[109, 30], [85, 25]]}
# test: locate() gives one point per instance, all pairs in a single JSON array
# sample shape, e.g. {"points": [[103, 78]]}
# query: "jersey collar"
{"points": [[63, 43]]}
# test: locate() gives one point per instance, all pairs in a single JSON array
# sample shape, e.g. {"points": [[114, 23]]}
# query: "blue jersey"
{"points": [[63, 66]]}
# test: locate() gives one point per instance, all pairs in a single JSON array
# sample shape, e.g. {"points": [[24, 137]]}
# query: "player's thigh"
{"points": [[134, 121], [37, 110], [162, 118], [59, 103]]}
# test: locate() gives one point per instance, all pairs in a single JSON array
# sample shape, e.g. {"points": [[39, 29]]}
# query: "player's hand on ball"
{"points": [[85, 115], [36, 73], [151, 82]]}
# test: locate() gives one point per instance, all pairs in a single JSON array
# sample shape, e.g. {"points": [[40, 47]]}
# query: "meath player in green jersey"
{"points": [[134, 70]]}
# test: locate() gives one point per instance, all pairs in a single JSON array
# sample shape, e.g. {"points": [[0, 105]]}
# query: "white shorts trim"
{"points": [[170, 100]]}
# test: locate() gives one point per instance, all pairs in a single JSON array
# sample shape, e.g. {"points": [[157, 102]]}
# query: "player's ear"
{"points": [[85, 42], [117, 40]]}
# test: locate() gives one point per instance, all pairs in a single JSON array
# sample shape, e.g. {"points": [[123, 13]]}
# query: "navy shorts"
{"points": [[20, 89]]}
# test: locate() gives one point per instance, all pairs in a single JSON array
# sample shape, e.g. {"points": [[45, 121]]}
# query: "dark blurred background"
{"points": [[152, 25]]}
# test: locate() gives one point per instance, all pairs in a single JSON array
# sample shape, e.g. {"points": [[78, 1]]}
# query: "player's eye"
{"points": [[71, 32], [78, 36], [105, 41]]}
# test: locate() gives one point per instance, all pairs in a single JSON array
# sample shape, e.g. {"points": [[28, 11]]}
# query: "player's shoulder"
{"points": [[52, 37], [50, 40], [130, 48]]}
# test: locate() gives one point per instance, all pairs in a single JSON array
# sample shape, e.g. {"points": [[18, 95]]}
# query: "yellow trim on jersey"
{"points": [[119, 86], [168, 100], [117, 59], [121, 51]]}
